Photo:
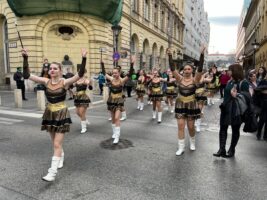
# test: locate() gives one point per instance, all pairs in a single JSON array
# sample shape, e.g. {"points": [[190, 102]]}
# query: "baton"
{"points": [[19, 34]]}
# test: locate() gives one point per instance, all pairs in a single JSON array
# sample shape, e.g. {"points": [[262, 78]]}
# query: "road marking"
{"points": [[7, 123], [10, 120], [22, 114]]}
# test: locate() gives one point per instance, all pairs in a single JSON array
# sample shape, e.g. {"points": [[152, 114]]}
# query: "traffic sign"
{"points": [[116, 56]]}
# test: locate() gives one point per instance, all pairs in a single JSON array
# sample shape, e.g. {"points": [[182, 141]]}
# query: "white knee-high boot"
{"points": [[159, 117], [181, 146], [154, 114], [197, 125], [141, 106], [61, 162], [192, 141], [208, 101], [138, 105], [83, 125], [113, 130], [123, 116], [52, 171], [117, 131]]}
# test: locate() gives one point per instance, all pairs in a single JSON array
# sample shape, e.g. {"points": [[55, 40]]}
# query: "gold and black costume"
{"points": [[171, 90], [140, 89], [56, 117], [186, 104], [115, 100], [201, 93], [156, 93], [81, 98]]}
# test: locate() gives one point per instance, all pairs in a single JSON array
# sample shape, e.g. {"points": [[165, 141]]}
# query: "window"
{"points": [[162, 20], [135, 5], [147, 9], [156, 15]]}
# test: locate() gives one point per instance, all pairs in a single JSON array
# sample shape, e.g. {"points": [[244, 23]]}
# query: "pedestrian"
{"points": [[261, 95], [115, 102], [140, 90], [101, 81], [18, 77], [229, 107], [129, 86], [224, 78], [82, 100], [186, 107], [156, 93], [253, 83], [56, 117]]}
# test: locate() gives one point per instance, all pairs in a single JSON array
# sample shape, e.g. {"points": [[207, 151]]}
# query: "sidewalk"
{"points": [[8, 101]]}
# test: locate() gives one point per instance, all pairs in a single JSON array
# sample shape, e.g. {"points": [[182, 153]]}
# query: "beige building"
{"points": [[256, 31], [261, 34], [149, 27]]}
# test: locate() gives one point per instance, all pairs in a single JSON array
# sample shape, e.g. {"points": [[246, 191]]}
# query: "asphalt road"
{"points": [[148, 169]]}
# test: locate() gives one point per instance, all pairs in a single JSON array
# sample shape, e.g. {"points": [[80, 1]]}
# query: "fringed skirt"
{"points": [[140, 90], [201, 95], [56, 118], [116, 103], [81, 100], [187, 110], [156, 95]]}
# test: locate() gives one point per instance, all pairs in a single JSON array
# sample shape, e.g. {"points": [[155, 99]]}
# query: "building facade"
{"points": [[240, 45], [149, 27], [197, 29], [261, 34], [256, 33]]}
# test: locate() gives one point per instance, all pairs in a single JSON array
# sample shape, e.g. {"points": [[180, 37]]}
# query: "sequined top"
{"points": [[55, 93], [187, 90]]}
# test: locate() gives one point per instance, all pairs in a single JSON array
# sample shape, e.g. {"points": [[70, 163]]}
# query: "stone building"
{"points": [[256, 33], [197, 29], [149, 27]]}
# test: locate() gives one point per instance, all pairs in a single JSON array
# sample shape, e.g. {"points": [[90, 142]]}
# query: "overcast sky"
{"points": [[224, 18]]}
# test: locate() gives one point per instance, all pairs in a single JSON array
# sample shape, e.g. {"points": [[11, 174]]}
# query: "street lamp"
{"points": [[255, 46], [116, 32]]}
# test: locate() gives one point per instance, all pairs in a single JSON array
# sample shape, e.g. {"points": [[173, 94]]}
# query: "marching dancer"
{"points": [[211, 86], [186, 107], [140, 90], [116, 100], [201, 97], [56, 117], [156, 94], [82, 100], [171, 91]]}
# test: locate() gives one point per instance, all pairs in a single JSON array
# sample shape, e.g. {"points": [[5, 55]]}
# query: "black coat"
{"points": [[18, 77]]}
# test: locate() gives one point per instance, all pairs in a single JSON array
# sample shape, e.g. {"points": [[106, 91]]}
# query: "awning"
{"points": [[109, 10]]}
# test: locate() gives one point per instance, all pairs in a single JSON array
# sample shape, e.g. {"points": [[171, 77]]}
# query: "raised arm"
{"points": [[130, 72], [177, 76], [26, 70], [200, 66], [81, 72]]}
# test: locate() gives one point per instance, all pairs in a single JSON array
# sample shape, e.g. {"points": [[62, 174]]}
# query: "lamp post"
{"points": [[255, 46], [116, 32]]}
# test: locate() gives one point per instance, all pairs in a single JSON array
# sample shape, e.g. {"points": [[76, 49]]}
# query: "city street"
{"points": [[142, 166]]}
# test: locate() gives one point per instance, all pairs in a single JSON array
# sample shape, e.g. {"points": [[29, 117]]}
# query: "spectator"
{"points": [[18, 77], [101, 81], [224, 78], [261, 73]]}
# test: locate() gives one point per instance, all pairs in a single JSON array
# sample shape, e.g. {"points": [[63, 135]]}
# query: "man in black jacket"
{"points": [[18, 77]]}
